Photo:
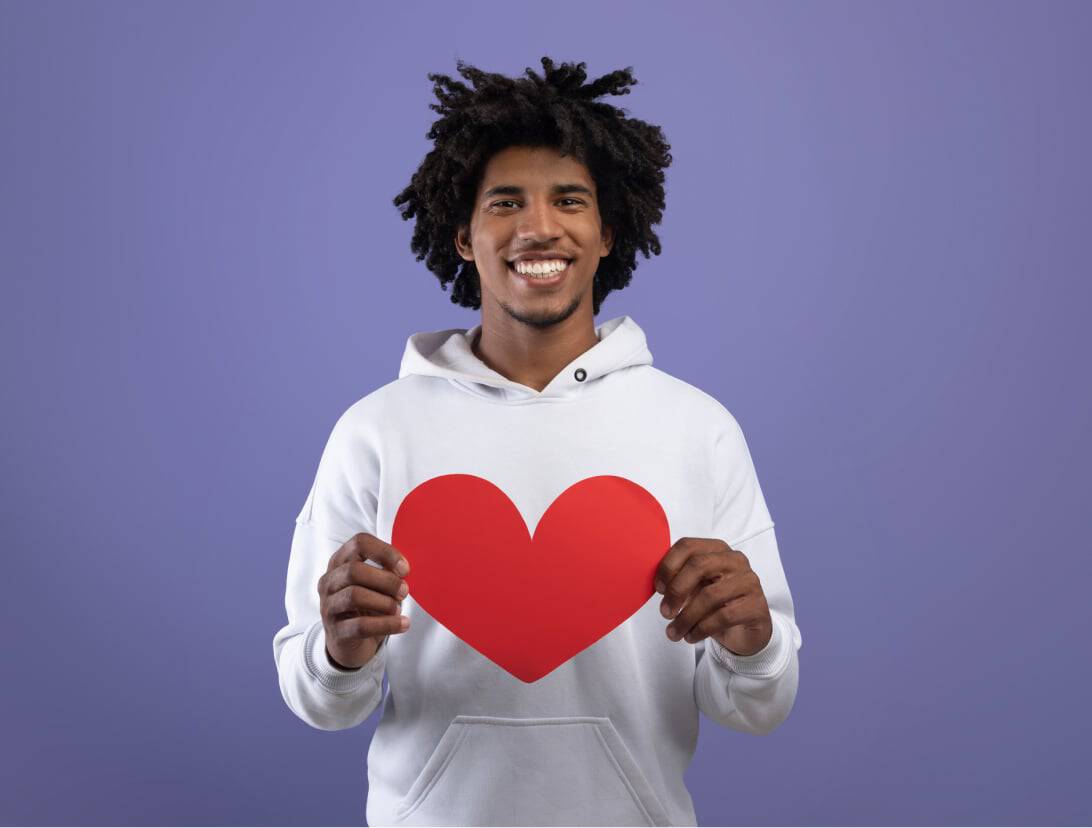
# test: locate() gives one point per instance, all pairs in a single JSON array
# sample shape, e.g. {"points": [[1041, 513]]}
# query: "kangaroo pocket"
{"points": [[557, 771]]}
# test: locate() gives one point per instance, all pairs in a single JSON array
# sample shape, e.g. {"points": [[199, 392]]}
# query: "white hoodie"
{"points": [[603, 739]]}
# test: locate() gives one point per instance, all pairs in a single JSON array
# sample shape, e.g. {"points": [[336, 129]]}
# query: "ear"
{"points": [[608, 241], [462, 243]]}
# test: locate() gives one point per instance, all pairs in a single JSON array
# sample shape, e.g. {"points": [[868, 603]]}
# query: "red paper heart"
{"points": [[529, 604]]}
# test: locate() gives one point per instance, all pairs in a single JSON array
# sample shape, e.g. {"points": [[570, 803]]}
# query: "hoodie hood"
{"points": [[448, 354]]}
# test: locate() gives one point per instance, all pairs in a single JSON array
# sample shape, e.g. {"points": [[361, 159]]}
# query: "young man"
{"points": [[547, 479]]}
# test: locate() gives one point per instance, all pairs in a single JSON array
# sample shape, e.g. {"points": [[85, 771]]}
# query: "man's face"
{"points": [[534, 201]]}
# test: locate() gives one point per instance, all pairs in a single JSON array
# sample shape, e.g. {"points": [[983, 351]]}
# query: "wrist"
{"points": [[336, 665]]}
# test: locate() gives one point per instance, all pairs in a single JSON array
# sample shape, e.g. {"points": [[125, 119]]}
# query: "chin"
{"points": [[538, 316]]}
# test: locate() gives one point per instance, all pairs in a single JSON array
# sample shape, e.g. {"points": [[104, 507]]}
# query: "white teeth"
{"points": [[540, 268]]}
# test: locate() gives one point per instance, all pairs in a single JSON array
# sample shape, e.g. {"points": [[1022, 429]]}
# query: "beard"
{"points": [[543, 318]]}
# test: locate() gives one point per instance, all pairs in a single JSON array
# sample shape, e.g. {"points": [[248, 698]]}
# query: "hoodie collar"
{"points": [[448, 354]]}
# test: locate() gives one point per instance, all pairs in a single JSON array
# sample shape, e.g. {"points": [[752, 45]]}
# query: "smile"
{"points": [[540, 273]]}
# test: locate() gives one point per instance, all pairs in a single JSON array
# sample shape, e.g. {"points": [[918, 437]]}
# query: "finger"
{"points": [[714, 624], [361, 574], [341, 616], [740, 612], [699, 566], [364, 547], [672, 562], [361, 599], [708, 599], [367, 626]]}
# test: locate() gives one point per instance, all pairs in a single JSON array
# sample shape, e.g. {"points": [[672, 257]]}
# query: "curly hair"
{"points": [[625, 156]]}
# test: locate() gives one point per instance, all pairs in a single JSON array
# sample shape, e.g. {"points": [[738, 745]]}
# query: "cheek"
{"points": [[492, 235], [592, 239], [487, 253]]}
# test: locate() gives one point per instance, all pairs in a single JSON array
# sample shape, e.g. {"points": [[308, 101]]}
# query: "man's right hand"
{"points": [[361, 604]]}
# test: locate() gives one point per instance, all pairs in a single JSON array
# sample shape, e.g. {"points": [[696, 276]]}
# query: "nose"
{"points": [[538, 222]]}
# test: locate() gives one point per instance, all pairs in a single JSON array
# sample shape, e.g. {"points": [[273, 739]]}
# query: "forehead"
{"points": [[531, 167]]}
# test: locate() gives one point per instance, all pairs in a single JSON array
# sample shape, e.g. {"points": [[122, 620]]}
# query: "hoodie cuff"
{"points": [[766, 663], [334, 678]]}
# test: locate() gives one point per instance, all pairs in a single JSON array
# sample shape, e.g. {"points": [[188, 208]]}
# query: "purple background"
{"points": [[875, 254]]}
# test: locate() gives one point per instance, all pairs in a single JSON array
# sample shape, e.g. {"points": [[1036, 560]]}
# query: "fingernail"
{"points": [[659, 586], [665, 610], [672, 633], [405, 623], [403, 590], [401, 567]]}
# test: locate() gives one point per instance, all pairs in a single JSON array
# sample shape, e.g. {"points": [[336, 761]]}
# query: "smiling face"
{"points": [[534, 202]]}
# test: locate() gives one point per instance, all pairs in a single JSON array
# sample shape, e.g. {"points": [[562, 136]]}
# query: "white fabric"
{"points": [[605, 738]]}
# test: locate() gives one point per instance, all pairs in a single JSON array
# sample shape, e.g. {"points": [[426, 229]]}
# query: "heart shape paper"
{"points": [[529, 604]]}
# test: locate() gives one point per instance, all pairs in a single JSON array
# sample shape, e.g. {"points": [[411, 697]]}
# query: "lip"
{"points": [[547, 256], [540, 283]]}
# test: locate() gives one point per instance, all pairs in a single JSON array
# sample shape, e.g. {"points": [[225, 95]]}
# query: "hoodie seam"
{"points": [[527, 401], [577, 395]]}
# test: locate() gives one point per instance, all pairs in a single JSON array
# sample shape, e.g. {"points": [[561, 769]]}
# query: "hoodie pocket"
{"points": [[573, 770]]}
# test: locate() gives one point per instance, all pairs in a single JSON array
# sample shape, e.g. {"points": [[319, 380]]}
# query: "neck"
{"points": [[533, 356]]}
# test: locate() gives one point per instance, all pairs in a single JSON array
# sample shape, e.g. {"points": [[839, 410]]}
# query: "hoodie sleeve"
{"points": [[754, 693], [340, 504]]}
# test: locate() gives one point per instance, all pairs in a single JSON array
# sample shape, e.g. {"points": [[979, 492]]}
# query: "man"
{"points": [[534, 202]]}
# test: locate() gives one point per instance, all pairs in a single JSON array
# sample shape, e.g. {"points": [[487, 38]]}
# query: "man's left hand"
{"points": [[720, 596]]}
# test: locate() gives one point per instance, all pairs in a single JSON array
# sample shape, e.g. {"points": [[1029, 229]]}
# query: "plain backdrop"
{"points": [[875, 254]]}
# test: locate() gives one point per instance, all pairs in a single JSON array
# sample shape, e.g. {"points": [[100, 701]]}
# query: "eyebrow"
{"points": [[557, 189]]}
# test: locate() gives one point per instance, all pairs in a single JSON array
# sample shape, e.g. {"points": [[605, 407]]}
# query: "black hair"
{"points": [[625, 156]]}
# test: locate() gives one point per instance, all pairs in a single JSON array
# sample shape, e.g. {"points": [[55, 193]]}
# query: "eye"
{"points": [[510, 201]]}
